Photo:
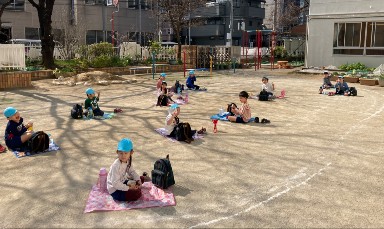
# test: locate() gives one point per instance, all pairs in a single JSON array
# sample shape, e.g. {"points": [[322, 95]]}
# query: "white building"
{"points": [[345, 31]]}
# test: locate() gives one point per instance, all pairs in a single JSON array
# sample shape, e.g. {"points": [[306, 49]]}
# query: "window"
{"points": [[16, 5], [364, 38], [32, 33], [95, 2], [95, 36], [250, 23]]}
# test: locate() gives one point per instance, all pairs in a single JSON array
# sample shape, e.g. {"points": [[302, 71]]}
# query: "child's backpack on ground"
{"points": [[178, 87], [162, 100], [162, 174], [77, 111], [263, 96], [229, 108], [39, 142], [183, 132], [352, 91]]}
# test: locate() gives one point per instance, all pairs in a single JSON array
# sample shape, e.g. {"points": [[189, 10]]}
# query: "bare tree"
{"points": [[286, 14], [71, 33], [44, 11], [177, 13]]}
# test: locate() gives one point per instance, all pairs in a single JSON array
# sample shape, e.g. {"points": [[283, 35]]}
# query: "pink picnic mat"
{"points": [[151, 197]]}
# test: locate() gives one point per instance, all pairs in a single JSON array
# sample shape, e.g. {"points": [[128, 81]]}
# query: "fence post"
{"points": [[153, 65], [184, 55]]}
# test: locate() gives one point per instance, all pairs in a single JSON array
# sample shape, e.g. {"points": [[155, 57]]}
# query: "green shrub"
{"points": [[354, 66], [101, 61], [100, 49]]}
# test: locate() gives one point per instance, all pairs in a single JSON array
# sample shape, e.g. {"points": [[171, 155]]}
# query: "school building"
{"points": [[345, 31]]}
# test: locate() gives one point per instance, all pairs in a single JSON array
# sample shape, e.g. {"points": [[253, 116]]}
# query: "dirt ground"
{"points": [[319, 163]]}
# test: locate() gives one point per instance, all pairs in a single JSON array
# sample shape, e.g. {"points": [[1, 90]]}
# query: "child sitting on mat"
{"points": [[191, 81], [326, 82], [16, 133], [164, 96], [172, 120], [91, 103], [123, 183], [160, 81], [268, 87], [243, 113], [341, 86]]}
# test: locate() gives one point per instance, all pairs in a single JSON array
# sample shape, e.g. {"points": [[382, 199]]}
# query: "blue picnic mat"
{"points": [[225, 115], [105, 116]]}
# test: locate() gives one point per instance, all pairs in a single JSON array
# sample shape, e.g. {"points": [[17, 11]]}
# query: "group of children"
{"points": [[123, 183], [341, 86]]}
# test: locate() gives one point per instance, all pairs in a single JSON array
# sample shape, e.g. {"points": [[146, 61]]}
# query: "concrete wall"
{"points": [[323, 15]]}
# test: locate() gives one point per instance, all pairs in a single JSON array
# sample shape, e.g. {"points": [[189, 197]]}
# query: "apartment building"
{"points": [[216, 16], [131, 20], [345, 31]]}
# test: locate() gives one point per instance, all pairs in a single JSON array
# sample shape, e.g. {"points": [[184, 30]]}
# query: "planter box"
{"points": [[368, 82], [334, 78], [351, 79], [381, 82]]}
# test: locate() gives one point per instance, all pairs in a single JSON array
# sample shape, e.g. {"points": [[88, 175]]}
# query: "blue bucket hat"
{"points": [[9, 111], [89, 91], [125, 145], [191, 72], [162, 74], [341, 77]]}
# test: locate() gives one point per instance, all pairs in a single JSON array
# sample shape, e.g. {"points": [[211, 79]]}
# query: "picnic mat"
{"points": [[105, 116], [52, 147], [225, 115], [151, 197], [163, 133]]}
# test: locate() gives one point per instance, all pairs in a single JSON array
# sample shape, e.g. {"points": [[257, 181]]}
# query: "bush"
{"points": [[101, 49], [354, 66]]}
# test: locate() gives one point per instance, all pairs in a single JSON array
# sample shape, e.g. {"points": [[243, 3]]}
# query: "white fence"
{"points": [[12, 56]]}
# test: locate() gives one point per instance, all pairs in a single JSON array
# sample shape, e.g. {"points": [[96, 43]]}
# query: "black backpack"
{"points": [[263, 96], [39, 142], [77, 111], [177, 86], [352, 91], [183, 131], [162, 100], [162, 174]]}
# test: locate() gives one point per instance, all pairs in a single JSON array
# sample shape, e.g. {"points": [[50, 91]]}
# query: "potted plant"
{"points": [[352, 78], [368, 80], [171, 56], [381, 80]]}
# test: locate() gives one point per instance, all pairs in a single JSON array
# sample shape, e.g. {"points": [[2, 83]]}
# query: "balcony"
{"points": [[208, 30], [209, 11], [254, 12]]}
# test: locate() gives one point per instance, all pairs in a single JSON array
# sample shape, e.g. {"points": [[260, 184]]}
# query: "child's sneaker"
{"points": [[146, 177], [2, 149]]}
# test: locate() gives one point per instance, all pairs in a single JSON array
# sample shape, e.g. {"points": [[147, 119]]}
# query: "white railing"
{"points": [[12, 56]]}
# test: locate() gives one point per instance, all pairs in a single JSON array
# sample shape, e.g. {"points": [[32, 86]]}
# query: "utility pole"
{"points": [[275, 17], [140, 22], [189, 24], [230, 23]]}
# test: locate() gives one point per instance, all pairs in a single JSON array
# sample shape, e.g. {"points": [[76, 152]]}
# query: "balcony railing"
{"points": [[211, 11], [254, 12], [208, 30]]}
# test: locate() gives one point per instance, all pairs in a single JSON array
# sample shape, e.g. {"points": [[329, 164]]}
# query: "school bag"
{"points": [[229, 108], [77, 111], [39, 142], [162, 100], [263, 96], [183, 132], [352, 91], [178, 87], [162, 174]]}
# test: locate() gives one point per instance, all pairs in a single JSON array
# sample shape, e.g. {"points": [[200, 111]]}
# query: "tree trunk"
{"points": [[44, 12]]}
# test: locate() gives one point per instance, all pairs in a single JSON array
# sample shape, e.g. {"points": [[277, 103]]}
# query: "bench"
{"points": [[140, 68], [283, 64]]}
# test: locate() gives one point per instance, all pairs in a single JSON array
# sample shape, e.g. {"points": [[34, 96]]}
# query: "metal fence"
{"points": [[12, 56]]}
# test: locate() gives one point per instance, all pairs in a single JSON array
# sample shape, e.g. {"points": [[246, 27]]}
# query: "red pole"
{"points": [[256, 43], [113, 30], [260, 49], [184, 61]]}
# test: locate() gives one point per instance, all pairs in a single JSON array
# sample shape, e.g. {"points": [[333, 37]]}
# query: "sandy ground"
{"points": [[318, 164]]}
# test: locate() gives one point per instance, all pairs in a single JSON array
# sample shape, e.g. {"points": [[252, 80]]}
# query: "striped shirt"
{"points": [[245, 112]]}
